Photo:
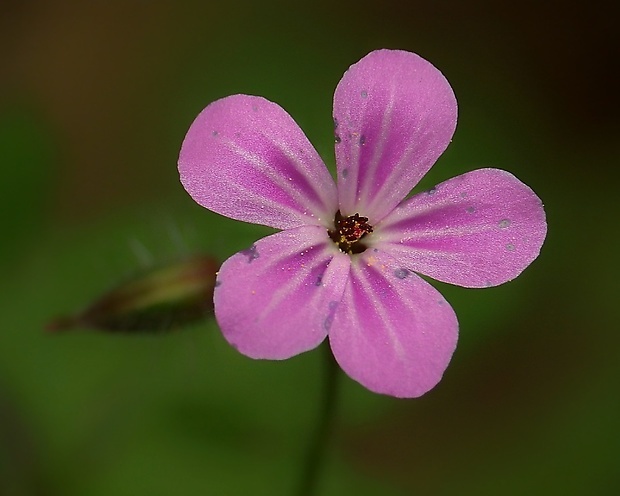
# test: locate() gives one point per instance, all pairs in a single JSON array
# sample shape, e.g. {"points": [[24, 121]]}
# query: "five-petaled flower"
{"points": [[345, 264]]}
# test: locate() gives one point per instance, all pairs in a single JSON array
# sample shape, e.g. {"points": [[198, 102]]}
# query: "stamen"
{"points": [[349, 231]]}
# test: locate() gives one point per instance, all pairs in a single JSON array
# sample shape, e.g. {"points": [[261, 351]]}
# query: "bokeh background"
{"points": [[95, 98]]}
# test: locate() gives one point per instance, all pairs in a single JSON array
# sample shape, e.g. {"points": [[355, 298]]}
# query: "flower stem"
{"points": [[315, 455]]}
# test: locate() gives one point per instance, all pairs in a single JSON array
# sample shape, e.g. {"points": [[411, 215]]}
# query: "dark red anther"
{"points": [[349, 231]]}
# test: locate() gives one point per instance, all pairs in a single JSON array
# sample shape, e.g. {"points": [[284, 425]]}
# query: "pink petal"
{"points": [[244, 157], [276, 299], [392, 332], [476, 230], [394, 115]]}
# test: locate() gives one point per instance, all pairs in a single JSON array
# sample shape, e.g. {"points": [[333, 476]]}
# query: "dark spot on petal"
{"points": [[218, 283], [510, 247], [254, 108], [401, 273], [319, 280], [432, 191], [251, 253], [214, 133], [441, 302], [327, 323], [364, 94], [335, 123], [463, 194], [504, 223], [337, 138], [362, 139], [375, 250], [471, 210], [345, 172]]}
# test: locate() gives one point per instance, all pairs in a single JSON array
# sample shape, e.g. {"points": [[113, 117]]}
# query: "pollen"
{"points": [[349, 232]]}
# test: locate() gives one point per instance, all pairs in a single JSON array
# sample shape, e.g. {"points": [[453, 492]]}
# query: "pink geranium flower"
{"points": [[346, 263]]}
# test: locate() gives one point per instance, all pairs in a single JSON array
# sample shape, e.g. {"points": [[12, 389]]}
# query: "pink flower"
{"points": [[345, 264]]}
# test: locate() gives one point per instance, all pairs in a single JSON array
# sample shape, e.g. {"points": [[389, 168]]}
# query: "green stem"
{"points": [[315, 456]]}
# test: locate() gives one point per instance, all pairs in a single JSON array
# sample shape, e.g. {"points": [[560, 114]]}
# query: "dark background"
{"points": [[95, 99]]}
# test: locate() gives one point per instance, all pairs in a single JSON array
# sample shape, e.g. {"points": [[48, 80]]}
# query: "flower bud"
{"points": [[161, 299]]}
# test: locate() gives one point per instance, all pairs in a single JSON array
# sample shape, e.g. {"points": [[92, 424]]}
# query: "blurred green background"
{"points": [[95, 99]]}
